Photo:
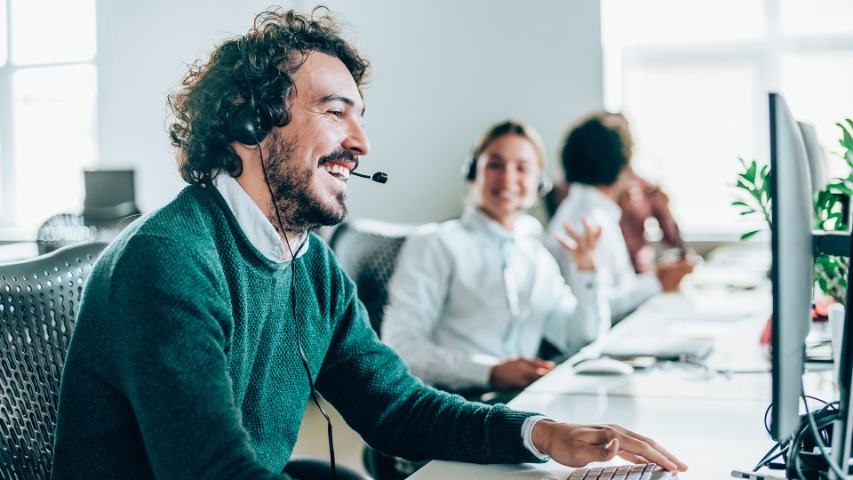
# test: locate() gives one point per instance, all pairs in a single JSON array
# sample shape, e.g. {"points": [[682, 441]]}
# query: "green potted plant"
{"points": [[753, 185]]}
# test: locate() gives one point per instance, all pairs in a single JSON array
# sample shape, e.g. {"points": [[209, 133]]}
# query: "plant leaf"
{"points": [[741, 184], [846, 140], [750, 172], [749, 234]]}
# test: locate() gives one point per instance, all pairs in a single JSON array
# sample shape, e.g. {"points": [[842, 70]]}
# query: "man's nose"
{"points": [[356, 140]]}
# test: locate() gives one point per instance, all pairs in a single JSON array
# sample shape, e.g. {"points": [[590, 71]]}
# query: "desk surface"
{"points": [[710, 436], [711, 421], [14, 252]]}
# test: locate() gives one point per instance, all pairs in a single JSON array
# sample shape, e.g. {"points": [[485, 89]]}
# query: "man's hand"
{"points": [[670, 273], [518, 372], [578, 445], [583, 246]]}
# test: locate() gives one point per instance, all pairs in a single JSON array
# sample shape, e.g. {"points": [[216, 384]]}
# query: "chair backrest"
{"points": [[62, 230], [38, 302], [367, 250]]}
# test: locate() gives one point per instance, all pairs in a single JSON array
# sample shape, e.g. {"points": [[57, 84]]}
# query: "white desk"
{"points": [[14, 252], [710, 436], [712, 422]]}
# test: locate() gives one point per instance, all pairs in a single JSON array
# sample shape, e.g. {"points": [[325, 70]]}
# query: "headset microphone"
{"points": [[378, 177]]}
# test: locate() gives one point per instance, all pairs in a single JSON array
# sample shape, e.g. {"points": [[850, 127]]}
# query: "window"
{"points": [[48, 98], [693, 78]]}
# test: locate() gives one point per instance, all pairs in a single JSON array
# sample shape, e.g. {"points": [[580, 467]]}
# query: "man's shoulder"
{"points": [[194, 209], [178, 233]]}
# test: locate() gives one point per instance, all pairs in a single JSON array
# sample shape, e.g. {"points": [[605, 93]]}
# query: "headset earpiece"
{"points": [[544, 186], [469, 168], [249, 124]]}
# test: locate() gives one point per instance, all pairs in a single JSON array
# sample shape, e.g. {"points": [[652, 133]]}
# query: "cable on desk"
{"points": [[790, 450]]}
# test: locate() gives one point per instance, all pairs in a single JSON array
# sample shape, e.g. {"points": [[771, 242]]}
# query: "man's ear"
{"points": [[249, 156], [244, 150]]}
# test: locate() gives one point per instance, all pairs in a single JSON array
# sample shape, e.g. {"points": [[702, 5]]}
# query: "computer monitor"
{"points": [[110, 194], [815, 156], [791, 270]]}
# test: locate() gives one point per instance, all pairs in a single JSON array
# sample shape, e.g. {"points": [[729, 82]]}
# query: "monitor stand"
{"points": [[839, 244]]}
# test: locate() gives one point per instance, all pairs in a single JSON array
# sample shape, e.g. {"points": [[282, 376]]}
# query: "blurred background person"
{"points": [[640, 200], [470, 302], [595, 157]]}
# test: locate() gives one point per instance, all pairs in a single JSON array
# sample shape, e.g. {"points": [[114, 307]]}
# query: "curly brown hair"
{"points": [[597, 149], [258, 65]]}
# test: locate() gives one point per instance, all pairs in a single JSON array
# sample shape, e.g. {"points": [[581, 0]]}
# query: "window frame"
{"points": [[765, 52], [8, 178]]}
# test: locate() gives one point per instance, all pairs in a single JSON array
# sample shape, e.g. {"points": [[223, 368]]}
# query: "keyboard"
{"points": [[648, 471]]}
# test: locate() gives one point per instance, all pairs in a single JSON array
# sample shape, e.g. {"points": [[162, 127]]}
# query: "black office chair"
{"points": [[62, 230], [308, 468], [108, 207], [38, 302], [367, 250]]}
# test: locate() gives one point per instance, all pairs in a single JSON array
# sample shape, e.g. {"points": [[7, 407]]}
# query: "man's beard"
{"points": [[300, 207]]}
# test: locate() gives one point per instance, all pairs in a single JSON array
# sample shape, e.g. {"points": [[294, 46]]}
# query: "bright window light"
{"points": [[4, 47], [48, 80], [691, 146], [693, 79], [54, 118], [816, 17], [817, 86], [668, 22]]}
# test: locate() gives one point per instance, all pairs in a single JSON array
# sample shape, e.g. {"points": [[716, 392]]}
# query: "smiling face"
{"points": [[310, 158], [507, 178]]}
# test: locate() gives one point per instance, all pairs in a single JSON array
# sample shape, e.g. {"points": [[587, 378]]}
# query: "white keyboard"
{"points": [[648, 471]]}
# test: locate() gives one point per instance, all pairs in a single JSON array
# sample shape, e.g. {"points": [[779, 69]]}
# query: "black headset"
{"points": [[251, 122], [469, 173]]}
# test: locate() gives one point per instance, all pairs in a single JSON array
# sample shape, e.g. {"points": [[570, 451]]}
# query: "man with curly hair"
{"points": [[206, 326]]}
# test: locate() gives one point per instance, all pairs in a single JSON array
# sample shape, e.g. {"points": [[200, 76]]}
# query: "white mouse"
{"points": [[603, 366]]}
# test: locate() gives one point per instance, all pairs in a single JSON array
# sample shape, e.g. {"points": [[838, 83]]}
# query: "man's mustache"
{"points": [[339, 155]]}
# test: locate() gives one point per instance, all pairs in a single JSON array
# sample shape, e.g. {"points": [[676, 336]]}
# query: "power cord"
{"points": [[791, 450], [819, 440]]}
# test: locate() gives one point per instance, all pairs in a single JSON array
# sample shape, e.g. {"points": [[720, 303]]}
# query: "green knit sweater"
{"points": [[184, 361]]}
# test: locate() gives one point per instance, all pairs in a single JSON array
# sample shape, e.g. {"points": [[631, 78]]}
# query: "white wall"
{"points": [[443, 70]]}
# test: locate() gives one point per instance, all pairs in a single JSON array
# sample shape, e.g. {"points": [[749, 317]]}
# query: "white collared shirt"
{"points": [[626, 290], [451, 316], [257, 227]]}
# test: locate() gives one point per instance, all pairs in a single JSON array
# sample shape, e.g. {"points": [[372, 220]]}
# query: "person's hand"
{"points": [[578, 445], [518, 372], [644, 259], [583, 246], [670, 273]]}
